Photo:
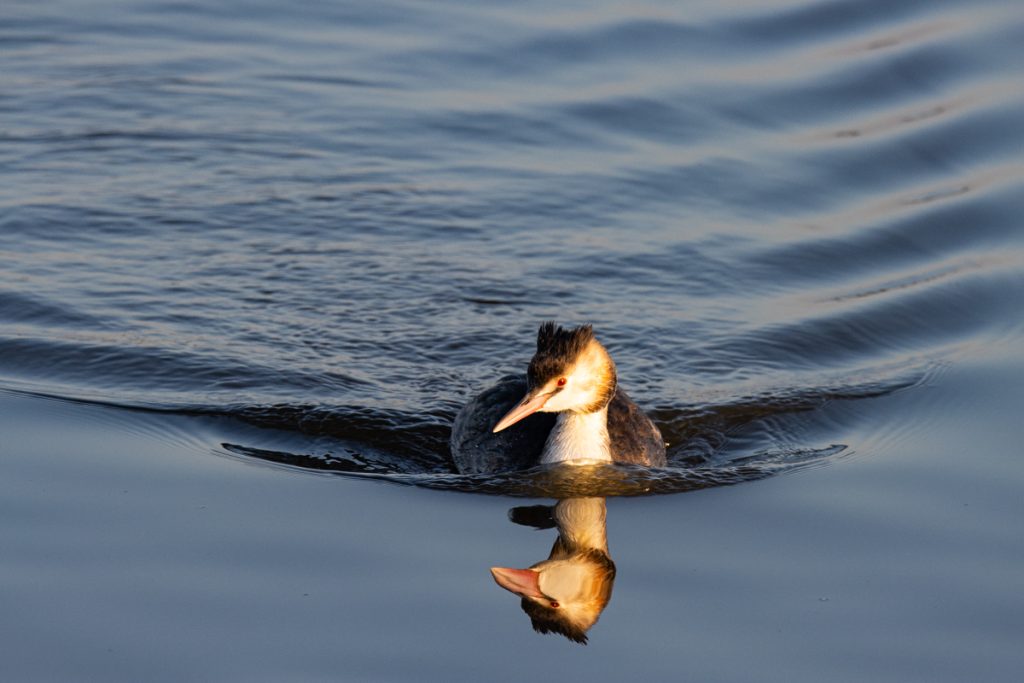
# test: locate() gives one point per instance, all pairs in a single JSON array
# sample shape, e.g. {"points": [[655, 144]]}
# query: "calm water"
{"points": [[255, 255]]}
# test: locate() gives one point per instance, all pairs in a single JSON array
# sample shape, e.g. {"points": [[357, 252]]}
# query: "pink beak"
{"points": [[528, 406], [524, 582]]}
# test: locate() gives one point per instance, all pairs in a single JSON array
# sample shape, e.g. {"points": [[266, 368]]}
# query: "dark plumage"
{"points": [[635, 439], [476, 449]]}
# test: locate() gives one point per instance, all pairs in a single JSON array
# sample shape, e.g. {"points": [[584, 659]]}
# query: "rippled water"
{"points": [[304, 234]]}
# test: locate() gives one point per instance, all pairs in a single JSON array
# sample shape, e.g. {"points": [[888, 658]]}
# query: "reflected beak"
{"points": [[530, 404], [523, 582]]}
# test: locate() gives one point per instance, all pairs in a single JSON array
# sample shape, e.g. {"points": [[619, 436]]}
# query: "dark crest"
{"points": [[557, 347], [550, 620]]}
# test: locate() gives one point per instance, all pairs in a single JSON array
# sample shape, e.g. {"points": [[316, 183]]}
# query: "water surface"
{"points": [[253, 258]]}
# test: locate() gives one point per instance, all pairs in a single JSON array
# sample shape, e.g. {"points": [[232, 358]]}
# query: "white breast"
{"points": [[578, 438]]}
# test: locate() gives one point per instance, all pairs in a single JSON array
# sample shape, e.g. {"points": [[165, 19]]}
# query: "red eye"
{"points": [[554, 604], [561, 381]]}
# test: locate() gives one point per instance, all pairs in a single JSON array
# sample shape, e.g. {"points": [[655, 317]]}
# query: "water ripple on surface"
{"points": [[337, 226]]}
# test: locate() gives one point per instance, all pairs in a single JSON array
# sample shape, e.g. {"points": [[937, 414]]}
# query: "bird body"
{"points": [[568, 409]]}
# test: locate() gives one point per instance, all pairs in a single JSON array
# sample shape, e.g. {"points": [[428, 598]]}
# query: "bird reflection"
{"points": [[567, 592]]}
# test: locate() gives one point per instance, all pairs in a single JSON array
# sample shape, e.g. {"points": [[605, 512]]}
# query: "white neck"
{"points": [[578, 438], [581, 523]]}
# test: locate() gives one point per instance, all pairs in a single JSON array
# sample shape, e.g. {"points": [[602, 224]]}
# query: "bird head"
{"points": [[571, 371]]}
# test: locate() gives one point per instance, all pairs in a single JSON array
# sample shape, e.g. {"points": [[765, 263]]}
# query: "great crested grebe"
{"points": [[568, 409]]}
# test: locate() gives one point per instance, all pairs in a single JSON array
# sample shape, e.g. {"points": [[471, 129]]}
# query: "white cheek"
{"points": [[565, 399], [554, 404]]}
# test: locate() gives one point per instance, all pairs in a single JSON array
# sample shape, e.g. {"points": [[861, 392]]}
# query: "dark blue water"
{"points": [[254, 257]]}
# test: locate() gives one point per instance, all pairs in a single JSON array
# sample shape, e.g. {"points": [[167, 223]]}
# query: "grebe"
{"points": [[513, 425]]}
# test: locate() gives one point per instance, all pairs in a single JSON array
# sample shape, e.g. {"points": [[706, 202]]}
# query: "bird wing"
{"points": [[476, 449]]}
